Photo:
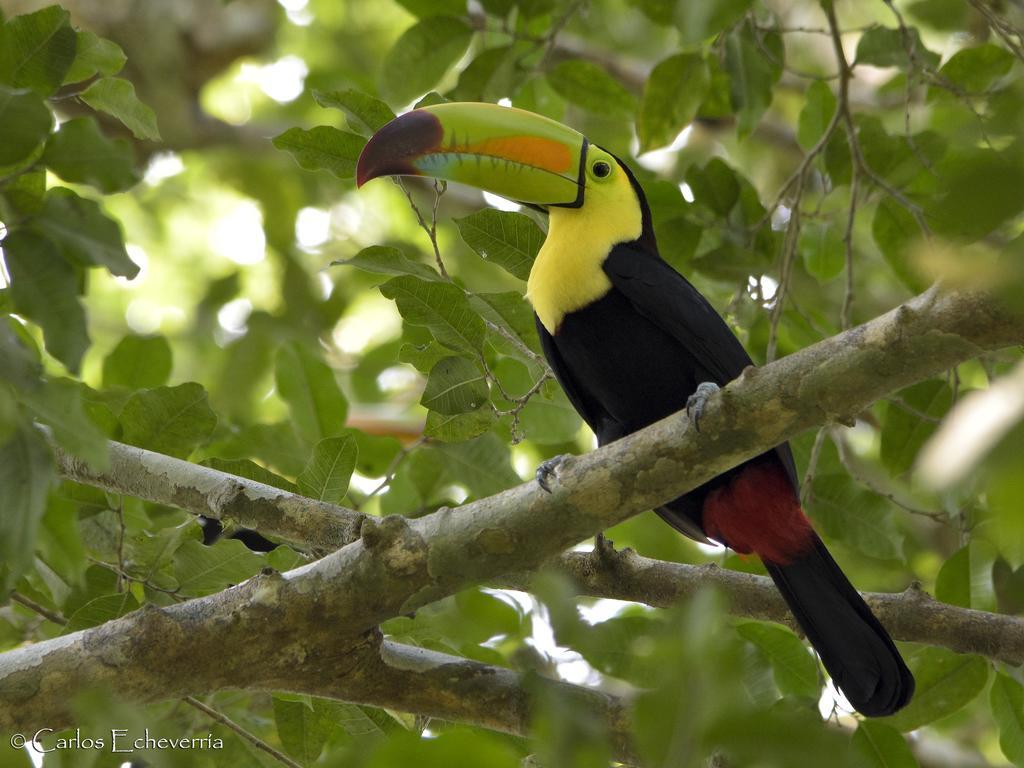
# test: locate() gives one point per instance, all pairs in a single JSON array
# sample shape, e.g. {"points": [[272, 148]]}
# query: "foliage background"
{"points": [[171, 280]]}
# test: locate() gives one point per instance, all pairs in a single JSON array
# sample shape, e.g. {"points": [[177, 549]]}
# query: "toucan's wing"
{"points": [[668, 300], [599, 420]]}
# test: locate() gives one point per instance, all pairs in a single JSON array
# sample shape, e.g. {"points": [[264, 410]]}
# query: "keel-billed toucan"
{"points": [[631, 341]]}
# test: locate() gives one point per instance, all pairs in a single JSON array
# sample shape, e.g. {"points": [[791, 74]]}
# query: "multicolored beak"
{"points": [[510, 152]]}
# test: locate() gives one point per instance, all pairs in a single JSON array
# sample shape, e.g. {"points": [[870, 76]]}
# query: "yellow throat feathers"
{"points": [[567, 275]]}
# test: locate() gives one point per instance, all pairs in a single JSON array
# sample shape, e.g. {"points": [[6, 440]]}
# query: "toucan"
{"points": [[631, 341]]}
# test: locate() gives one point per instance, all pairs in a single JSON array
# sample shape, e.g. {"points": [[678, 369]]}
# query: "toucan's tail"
{"points": [[854, 646]]}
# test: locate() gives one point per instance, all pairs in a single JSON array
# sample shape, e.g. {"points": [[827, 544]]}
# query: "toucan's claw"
{"points": [[548, 471], [695, 403]]}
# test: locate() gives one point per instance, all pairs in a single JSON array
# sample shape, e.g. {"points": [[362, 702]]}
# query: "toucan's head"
{"points": [[511, 152]]}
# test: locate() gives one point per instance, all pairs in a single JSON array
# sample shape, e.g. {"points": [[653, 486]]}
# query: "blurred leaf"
{"points": [[885, 47], [24, 193], [308, 385], [819, 107], [26, 473], [80, 153], [44, 288], [673, 92], [822, 250], [483, 464], [855, 516], [37, 49], [138, 362], [754, 63], [1007, 701], [976, 69], [904, 432], [116, 96], [459, 427], [699, 21], [84, 232], [455, 385], [1008, 585], [58, 404], [965, 579], [384, 260], [896, 231], [327, 475], [94, 56], [796, 671], [302, 731], [202, 570], [169, 420], [323, 148], [946, 682], [449, 749], [492, 75], [510, 310], [979, 190], [424, 8], [365, 114], [27, 123], [422, 55], [877, 745], [100, 611], [587, 85], [948, 15], [441, 307], [423, 356], [510, 240], [714, 186]]}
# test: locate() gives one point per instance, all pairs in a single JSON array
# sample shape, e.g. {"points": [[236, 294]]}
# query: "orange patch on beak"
{"points": [[529, 150]]}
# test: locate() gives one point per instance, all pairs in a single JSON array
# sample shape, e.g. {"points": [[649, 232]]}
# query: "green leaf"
{"points": [[856, 516], [441, 307], [80, 153], [308, 385], [513, 312], [202, 570], [302, 731], [101, 610], [385, 260], [94, 56], [455, 385], [423, 356], [327, 475], [946, 682], [459, 427], [980, 190], [24, 193], [27, 123], [754, 65], [84, 232], [58, 404], [26, 473], [975, 69], [506, 238], [589, 86], [138, 362], [169, 420], [116, 96], [36, 50], [422, 56], [945, 15], [877, 745], [494, 74], [885, 47], [250, 470], [822, 250], [323, 149], [44, 288], [699, 21], [1007, 702], [483, 464], [714, 186], [966, 578], [819, 107], [365, 114], [896, 232], [796, 671], [424, 8], [904, 432], [673, 93]]}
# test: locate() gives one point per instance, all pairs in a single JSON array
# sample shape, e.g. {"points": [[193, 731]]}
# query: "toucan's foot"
{"points": [[695, 403], [603, 547], [548, 471]]}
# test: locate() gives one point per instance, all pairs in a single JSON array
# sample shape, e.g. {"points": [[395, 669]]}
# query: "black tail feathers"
{"points": [[854, 647]]}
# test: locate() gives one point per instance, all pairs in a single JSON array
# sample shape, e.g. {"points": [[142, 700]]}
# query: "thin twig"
{"points": [[846, 315], [392, 470], [42, 610], [806, 485], [252, 738], [431, 228]]}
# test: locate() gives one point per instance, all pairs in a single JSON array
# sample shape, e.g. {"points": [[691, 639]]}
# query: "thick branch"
{"points": [[314, 615]]}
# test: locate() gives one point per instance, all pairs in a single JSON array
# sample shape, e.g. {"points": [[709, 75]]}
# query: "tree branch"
{"points": [[320, 618]]}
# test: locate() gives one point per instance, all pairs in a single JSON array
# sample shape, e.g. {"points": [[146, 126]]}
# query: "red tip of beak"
{"points": [[392, 150]]}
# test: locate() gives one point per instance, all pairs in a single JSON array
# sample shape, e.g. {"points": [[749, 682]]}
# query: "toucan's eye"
{"points": [[601, 169]]}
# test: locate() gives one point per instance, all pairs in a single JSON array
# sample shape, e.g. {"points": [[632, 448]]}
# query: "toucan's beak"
{"points": [[510, 152]]}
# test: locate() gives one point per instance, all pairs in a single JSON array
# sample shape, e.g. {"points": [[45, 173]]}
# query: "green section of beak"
{"points": [[510, 152]]}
